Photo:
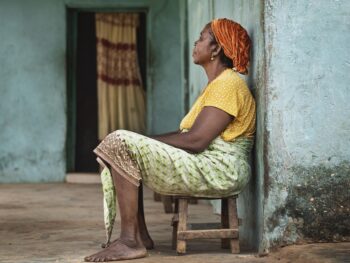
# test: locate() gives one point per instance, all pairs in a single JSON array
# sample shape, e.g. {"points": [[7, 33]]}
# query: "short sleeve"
{"points": [[225, 98]]}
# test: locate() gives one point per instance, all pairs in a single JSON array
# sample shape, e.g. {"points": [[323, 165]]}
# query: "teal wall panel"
{"points": [[250, 15], [224, 8], [199, 14], [167, 103], [33, 99]]}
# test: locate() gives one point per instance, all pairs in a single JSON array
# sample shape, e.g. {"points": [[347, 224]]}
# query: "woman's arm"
{"points": [[164, 134], [209, 124]]}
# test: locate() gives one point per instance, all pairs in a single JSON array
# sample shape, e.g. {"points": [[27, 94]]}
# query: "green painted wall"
{"points": [[33, 97], [250, 15], [33, 100], [307, 122]]}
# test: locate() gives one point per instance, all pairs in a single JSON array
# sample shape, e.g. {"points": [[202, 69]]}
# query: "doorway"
{"points": [[82, 114]]}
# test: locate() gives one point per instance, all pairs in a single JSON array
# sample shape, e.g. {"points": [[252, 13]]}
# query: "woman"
{"points": [[207, 157]]}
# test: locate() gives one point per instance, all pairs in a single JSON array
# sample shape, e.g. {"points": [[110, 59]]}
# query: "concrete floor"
{"points": [[64, 223]]}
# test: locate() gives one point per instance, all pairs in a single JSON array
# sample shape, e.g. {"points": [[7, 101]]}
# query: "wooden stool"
{"points": [[167, 201], [228, 233]]}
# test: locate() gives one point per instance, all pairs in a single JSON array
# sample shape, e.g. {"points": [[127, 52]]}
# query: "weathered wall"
{"points": [[33, 81], [166, 58], [307, 127], [249, 14], [32, 87], [199, 14]]}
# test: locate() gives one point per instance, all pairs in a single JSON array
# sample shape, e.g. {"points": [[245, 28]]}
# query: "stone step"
{"points": [[83, 178]]}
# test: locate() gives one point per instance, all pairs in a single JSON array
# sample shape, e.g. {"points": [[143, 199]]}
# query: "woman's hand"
{"points": [[209, 124]]}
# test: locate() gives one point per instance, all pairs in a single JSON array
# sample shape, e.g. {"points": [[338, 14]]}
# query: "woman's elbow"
{"points": [[199, 146], [196, 143]]}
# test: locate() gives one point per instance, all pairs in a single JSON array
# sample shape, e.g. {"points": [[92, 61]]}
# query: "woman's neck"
{"points": [[213, 70]]}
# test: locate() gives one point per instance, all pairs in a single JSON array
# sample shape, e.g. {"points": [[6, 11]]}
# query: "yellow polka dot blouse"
{"points": [[229, 93]]}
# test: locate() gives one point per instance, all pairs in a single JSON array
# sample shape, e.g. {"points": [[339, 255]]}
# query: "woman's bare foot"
{"points": [[146, 240], [118, 250]]}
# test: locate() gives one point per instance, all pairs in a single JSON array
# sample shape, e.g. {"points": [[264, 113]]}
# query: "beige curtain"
{"points": [[121, 99]]}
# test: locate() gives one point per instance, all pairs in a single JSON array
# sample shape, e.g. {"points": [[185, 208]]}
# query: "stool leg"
{"points": [[182, 226], [233, 223], [167, 203], [175, 223], [225, 242], [156, 197], [193, 201]]}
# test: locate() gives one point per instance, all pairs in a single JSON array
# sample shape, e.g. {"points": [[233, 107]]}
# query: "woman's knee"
{"points": [[117, 134]]}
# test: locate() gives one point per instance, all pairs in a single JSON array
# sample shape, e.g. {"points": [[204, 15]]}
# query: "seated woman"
{"points": [[207, 157]]}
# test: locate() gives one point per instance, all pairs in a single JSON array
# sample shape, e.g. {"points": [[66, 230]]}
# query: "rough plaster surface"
{"points": [[199, 14], [250, 15], [32, 101], [307, 128], [168, 93]]}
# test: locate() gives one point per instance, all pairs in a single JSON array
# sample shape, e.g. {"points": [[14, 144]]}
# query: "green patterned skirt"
{"points": [[221, 170]]}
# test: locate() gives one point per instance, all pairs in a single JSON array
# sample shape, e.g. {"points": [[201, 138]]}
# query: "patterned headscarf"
{"points": [[235, 42]]}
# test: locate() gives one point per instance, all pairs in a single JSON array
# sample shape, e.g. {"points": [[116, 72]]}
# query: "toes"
{"points": [[116, 251], [91, 259]]}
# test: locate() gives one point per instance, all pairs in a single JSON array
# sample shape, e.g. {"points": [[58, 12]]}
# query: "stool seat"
{"points": [[228, 233]]}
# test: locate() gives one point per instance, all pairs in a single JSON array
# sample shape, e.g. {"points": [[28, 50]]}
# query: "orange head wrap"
{"points": [[235, 42]]}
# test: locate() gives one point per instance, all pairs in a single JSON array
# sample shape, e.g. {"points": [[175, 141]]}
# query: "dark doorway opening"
{"points": [[86, 94], [86, 124]]}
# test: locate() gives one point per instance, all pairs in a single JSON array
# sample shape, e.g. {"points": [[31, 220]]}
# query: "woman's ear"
{"points": [[216, 50]]}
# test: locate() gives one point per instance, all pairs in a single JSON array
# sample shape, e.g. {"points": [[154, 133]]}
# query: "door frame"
{"points": [[71, 69]]}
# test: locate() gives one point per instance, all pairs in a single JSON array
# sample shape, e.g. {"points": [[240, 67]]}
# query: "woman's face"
{"points": [[203, 48]]}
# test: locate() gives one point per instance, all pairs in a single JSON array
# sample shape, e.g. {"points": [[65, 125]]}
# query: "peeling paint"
{"points": [[317, 208], [319, 202]]}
